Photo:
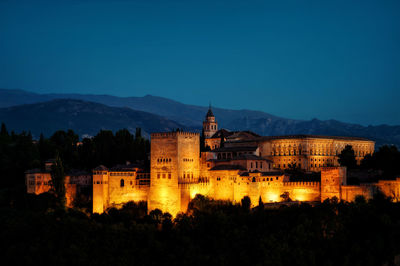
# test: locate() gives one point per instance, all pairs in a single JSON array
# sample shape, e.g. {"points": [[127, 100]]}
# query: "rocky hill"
{"points": [[85, 118]]}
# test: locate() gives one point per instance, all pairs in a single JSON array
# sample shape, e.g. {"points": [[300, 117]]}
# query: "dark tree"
{"points": [[387, 159], [260, 204], [347, 157], [58, 180], [3, 131], [286, 197], [246, 203], [138, 133]]}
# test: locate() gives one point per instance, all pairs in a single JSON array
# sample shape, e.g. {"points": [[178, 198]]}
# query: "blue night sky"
{"points": [[295, 59]]}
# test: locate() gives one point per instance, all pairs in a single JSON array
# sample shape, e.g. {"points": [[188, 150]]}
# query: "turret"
{"points": [[210, 125], [100, 189]]}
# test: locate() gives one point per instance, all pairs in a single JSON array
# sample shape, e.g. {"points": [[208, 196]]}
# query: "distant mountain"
{"points": [[382, 134], [85, 118], [189, 115], [192, 116]]}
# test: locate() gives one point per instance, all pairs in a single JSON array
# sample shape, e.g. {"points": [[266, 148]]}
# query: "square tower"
{"points": [[332, 180], [175, 158]]}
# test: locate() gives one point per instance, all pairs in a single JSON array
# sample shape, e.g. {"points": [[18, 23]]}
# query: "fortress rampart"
{"points": [[230, 172]]}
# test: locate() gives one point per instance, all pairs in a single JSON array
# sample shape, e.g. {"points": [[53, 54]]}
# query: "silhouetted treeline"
{"points": [[19, 152], [387, 159], [34, 231]]}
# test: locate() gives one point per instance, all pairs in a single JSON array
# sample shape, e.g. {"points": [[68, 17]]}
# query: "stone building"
{"points": [[117, 185], [38, 181], [237, 164]]}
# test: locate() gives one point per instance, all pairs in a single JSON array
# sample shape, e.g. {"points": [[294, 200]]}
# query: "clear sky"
{"points": [[296, 59]]}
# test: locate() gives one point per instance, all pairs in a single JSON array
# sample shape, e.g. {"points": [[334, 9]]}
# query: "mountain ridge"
{"points": [[168, 108], [85, 118], [192, 116]]}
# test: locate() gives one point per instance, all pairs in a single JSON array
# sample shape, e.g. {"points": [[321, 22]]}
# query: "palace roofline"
{"points": [[241, 148], [228, 167], [304, 136], [270, 173]]}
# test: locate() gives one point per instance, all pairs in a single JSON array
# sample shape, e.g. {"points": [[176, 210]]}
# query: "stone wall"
{"points": [[332, 179], [174, 159]]}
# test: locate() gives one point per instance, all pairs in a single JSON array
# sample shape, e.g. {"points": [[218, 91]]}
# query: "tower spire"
{"points": [[210, 125]]}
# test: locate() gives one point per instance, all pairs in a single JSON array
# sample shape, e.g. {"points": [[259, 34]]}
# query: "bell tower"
{"points": [[210, 125]]}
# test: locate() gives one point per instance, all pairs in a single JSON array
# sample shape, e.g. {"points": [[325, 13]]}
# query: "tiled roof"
{"points": [[36, 171], [77, 172], [100, 168], [276, 173], [228, 167], [243, 135], [249, 157], [222, 133], [237, 148], [125, 168]]}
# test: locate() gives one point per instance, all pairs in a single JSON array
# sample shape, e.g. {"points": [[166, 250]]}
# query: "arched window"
{"points": [[122, 183]]}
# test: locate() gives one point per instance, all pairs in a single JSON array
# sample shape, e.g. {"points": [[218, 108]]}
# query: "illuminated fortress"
{"points": [[235, 165]]}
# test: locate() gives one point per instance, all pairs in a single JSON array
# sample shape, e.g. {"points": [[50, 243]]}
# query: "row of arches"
{"points": [[318, 149], [210, 127], [164, 160]]}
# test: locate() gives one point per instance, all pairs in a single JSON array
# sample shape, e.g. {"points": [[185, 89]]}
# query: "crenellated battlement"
{"points": [[161, 135], [301, 184]]}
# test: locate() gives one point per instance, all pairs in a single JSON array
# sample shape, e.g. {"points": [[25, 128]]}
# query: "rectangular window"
{"points": [[163, 175], [158, 176], [169, 175]]}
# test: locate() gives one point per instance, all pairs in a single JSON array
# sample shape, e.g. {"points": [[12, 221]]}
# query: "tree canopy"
{"points": [[347, 157], [20, 152]]}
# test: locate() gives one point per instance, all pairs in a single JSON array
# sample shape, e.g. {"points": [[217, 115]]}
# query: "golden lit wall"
{"points": [[391, 188], [332, 178], [100, 191], [130, 191], [174, 158], [311, 153], [349, 193], [229, 185]]}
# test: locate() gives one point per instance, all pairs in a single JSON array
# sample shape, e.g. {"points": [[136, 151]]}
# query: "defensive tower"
{"points": [[174, 160]]}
